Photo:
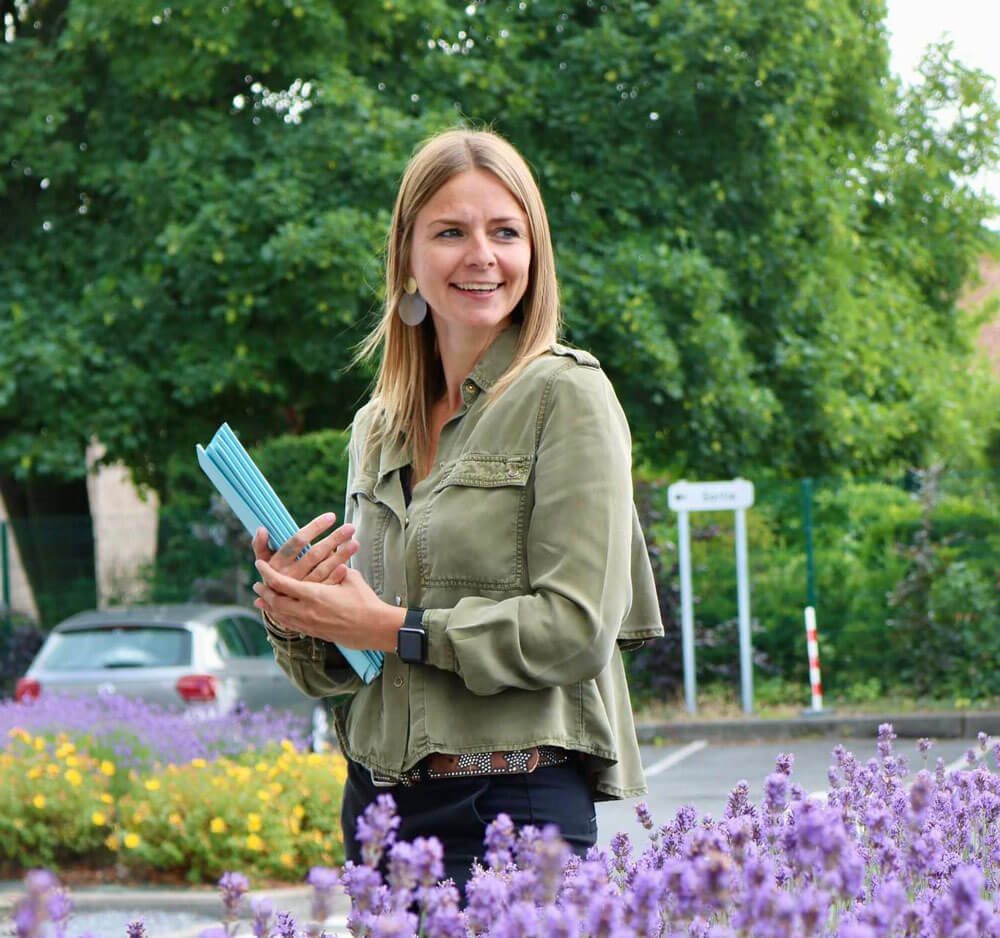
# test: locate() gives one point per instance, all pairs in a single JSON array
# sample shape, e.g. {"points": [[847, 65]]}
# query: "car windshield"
{"points": [[127, 646]]}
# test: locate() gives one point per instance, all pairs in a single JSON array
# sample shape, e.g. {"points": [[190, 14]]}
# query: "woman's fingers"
{"points": [[261, 549], [341, 553], [296, 547], [279, 582]]}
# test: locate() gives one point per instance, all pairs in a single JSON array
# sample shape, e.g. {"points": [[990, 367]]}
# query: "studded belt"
{"points": [[445, 765]]}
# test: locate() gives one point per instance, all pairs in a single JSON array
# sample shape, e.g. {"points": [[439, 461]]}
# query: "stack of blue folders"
{"points": [[255, 503]]}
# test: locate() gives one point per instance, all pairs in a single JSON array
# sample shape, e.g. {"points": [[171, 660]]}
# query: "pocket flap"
{"points": [[488, 471]]}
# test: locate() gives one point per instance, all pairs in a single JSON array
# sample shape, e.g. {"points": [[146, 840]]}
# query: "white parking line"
{"points": [[668, 762]]}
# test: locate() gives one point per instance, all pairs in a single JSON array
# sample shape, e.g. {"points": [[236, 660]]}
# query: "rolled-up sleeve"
{"points": [[578, 548]]}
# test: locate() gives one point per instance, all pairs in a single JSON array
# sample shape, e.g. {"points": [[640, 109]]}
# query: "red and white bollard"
{"points": [[812, 647]]}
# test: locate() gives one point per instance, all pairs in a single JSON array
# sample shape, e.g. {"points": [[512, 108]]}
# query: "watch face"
{"points": [[410, 644]]}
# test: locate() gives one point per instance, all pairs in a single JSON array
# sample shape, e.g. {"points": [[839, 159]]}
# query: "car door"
{"points": [[270, 685]]}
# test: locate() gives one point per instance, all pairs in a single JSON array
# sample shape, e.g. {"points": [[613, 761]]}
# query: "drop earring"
{"points": [[412, 306]]}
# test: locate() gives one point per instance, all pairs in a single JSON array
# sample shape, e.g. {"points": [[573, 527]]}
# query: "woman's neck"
{"points": [[459, 353]]}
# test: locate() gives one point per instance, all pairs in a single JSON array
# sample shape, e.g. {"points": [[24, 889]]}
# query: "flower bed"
{"points": [[123, 784], [883, 855]]}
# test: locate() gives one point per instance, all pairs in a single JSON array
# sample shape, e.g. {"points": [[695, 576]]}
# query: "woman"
{"points": [[498, 561]]}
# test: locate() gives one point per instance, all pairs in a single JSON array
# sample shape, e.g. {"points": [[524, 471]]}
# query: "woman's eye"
{"points": [[509, 233], [449, 233]]}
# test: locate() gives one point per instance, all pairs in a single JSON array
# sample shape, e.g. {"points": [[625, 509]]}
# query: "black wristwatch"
{"points": [[411, 641]]}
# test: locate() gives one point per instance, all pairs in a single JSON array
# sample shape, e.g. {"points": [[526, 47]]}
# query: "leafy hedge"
{"points": [[908, 594]]}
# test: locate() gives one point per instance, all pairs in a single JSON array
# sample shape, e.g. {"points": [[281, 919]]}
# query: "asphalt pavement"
{"points": [[689, 761]]}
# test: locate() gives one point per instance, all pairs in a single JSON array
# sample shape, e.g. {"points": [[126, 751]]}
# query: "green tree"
{"points": [[759, 232]]}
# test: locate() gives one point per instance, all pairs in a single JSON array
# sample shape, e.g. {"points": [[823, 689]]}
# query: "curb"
{"points": [[955, 725]]}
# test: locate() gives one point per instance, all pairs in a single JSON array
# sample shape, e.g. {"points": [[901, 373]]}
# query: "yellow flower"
{"points": [[299, 811], [72, 761], [64, 750], [107, 767], [106, 798], [39, 743], [217, 826], [34, 771], [132, 840], [111, 842], [253, 823], [152, 784], [287, 746], [98, 818], [17, 733], [294, 825], [38, 801], [287, 859], [264, 795], [73, 777], [175, 819], [261, 767], [254, 842], [198, 763]]}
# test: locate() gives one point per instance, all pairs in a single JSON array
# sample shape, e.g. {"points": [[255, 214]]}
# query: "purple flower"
{"points": [[885, 738], [285, 927], [783, 763], [500, 837], [924, 745], [643, 815], [136, 929], [776, 792], [263, 911], [377, 828], [324, 882], [984, 741], [233, 887]]}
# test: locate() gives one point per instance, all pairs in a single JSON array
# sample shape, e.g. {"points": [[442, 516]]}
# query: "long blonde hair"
{"points": [[409, 376]]}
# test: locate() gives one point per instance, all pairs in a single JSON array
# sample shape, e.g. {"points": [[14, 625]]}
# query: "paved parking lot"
{"points": [[702, 773]]}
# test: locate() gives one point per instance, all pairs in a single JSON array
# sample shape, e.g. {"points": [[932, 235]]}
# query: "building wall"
{"points": [[125, 527]]}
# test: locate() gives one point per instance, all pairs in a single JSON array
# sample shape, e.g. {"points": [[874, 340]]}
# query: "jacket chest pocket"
{"points": [[371, 521], [472, 533]]}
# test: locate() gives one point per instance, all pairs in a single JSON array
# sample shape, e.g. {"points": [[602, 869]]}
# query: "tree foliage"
{"points": [[760, 234]]}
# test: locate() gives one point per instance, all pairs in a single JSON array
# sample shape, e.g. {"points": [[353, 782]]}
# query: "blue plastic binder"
{"points": [[255, 503]]}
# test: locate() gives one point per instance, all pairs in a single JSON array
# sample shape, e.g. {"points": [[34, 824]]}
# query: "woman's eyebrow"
{"points": [[506, 220]]}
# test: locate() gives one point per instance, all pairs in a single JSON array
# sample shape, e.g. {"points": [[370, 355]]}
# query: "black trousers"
{"points": [[457, 810]]}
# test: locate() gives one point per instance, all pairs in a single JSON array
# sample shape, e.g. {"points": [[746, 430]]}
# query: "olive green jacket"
{"points": [[524, 548]]}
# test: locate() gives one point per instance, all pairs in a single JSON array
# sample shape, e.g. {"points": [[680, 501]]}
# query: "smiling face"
{"points": [[470, 254]]}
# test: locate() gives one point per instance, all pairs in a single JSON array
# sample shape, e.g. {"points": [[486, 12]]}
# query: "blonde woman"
{"points": [[497, 557]]}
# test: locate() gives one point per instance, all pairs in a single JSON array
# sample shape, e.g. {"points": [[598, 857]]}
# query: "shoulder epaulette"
{"points": [[582, 357]]}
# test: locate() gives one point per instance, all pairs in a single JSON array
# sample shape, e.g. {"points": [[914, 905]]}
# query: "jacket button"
{"points": [[398, 682], [470, 388]]}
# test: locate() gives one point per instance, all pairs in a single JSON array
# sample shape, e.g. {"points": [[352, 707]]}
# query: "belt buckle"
{"points": [[381, 781]]}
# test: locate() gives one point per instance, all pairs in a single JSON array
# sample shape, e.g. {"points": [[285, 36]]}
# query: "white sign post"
{"points": [[735, 495]]}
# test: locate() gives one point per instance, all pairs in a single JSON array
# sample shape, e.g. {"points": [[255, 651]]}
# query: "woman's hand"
{"points": [[323, 561], [347, 612]]}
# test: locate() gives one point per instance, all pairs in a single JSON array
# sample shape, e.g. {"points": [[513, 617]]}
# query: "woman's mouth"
{"points": [[477, 289]]}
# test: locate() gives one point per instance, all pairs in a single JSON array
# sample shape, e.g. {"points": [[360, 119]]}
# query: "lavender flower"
{"points": [[233, 887], [262, 911], [285, 927], [377, 828], [643, 815], [136, 929], [500, 838], [784, 762], [324, 882]]}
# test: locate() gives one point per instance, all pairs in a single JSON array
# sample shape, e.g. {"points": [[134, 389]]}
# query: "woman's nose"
{"points": [[480, 251]]}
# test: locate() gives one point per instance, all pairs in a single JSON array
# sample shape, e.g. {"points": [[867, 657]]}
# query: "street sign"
{"points": [[710, 496], [735, 495]]}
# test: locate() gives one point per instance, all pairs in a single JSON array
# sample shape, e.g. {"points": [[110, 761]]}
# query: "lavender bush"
{"points": [[137, 734], [883, 855]]}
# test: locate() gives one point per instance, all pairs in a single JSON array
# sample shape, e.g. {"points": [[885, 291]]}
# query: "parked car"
{"points": [[175, 656]]}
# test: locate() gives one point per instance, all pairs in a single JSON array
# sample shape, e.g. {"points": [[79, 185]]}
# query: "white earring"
{"points": [[412, 306]]}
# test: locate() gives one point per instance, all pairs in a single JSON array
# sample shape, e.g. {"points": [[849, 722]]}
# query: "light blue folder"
{"points": [[255, 503]]}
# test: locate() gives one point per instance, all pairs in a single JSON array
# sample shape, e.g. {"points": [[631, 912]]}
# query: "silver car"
{"points": [[174, 656]]}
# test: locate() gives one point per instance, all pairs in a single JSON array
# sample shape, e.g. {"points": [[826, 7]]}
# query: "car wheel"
{"points": [[320, 728]]}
